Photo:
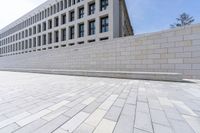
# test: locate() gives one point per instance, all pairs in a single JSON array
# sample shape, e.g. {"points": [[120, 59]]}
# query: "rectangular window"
{"points": [[71, 16], [65, 3], [63, 34], [34, 42], [34, 30], [103, 4], [104, 24], [58, 7], [91, 8], [63, 19], [44, 39], [81, 12], [39, 28], [30, 43], [49, 38], [92, 27], [30, 31], [56, 21], [61, 5], [50, 24], [39, 41], [81, 30], [56, 36], [26, 33], [71, 32], [69, 3], [44, 26]]}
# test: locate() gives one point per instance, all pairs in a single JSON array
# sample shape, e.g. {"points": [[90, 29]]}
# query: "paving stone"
{"points": [[162, 129], [32, 126], [124, 125], [76, 121], [181, 126], [58, 105], [89, 100], [140, 131], [13, 119], [129, 110], [119, 102], [105, 126], [108, 103], [84, 128], [52, 125], [159, 117], [92, 107], [73, 111], [95, 117], [142, 107], [113, 114], [33, 117], [143, 122], [10, 128], [194, 122], [55, 114], [184, 109]]}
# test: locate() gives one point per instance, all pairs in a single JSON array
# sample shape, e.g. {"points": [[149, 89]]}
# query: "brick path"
{"points": [[64, 104]]}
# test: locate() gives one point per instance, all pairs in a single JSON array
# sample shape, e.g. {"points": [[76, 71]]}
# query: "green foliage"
{"points": [[183, 20]]}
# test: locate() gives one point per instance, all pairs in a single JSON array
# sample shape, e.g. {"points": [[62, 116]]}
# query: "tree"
{"points": [[183, 20]]}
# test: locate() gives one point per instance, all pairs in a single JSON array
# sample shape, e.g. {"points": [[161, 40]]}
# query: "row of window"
{"points": [[48, 38], [43, 26], [59, 6], [104, 25]]}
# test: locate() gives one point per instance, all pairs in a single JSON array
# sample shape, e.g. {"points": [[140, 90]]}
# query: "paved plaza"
{"points": [[43, 103]]}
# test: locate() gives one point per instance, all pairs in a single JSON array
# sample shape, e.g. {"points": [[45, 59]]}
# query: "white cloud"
{"points": [[11, 10]]}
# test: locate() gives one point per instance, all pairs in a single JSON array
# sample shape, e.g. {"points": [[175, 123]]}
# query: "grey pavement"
{"points": [[43, 103]]}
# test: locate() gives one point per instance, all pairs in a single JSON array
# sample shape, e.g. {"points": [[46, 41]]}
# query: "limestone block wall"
{"points": [[175, 50]]}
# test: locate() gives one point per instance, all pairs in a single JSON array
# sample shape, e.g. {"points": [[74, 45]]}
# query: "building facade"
{"points": [[64, 23]]}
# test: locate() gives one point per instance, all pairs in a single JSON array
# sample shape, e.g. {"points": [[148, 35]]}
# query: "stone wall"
{"points": [[175, 50]]}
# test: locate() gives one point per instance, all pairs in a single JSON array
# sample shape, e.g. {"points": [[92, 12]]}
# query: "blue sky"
{"points": [[156, 15], [146, 15]]}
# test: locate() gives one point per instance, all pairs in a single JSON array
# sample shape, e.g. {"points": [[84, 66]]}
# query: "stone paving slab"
{"points": [[45, 103]]}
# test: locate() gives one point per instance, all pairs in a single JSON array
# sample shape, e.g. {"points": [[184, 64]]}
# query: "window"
{"points": [[26, 33], [63, 19], [34, 42], [50, 24], [81, 12], [69, 3], [44, 25], [63, 34], [104, 24], [34, 30], [81, 30], [56, 22], [58, 7], [49, 38], [44, 39], [56, 36], [103, 4], [65, 3], [92, 27], [30, 43], [39, 41], [91, 8], [26, 45], [30, 31], [61, 5], [71, 32], [71, 16], [39, 28]]}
